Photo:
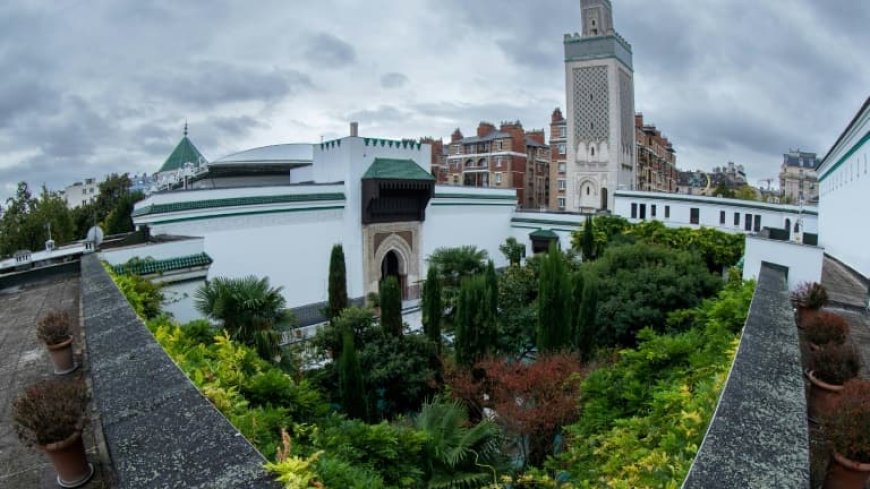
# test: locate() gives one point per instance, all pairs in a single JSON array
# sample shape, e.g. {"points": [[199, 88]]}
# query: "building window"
{"points": [[694, 215], [736, 218], [643, 211], [562, 184], [498, 161], [747, 224], [563, 132], [667, 212], [757, 226], [498, 178], [634, 211], [593, 151], [561, 167], [652, 210], [562, 149], [722, 217], [561, 202]]}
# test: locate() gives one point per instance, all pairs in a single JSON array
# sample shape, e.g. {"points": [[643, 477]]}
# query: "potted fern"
{"points": [[848, 429], [823, 328], [807, 298], [832, 365], [50, 415], [54, 330]]}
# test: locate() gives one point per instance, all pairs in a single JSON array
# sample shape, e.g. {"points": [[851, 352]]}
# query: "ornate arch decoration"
{"points": [[397, 244]]}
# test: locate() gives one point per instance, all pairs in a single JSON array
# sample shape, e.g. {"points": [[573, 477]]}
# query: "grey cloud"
{"points": [[328, 51], [378, 115], [394, 80]]}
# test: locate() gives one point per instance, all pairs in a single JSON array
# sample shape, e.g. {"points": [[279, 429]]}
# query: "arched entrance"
{"points": [[391, 267]]}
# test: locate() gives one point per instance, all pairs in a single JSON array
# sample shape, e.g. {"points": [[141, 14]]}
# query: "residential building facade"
{"points": [[81, 193], [797, 178], [558, 161], [503, 157], [599, 81], [656, 159], [439, 165]]}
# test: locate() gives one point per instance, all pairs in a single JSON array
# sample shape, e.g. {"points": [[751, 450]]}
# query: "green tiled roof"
{"points": [[385, 168], [183, 153], [235, 202], [543, 234], [150, 266]]}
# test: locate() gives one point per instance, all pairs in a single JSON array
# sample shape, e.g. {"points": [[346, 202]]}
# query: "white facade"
{"points": [[81, 193], [844, 184], [804, 263], [731, 215], [599, 111]]}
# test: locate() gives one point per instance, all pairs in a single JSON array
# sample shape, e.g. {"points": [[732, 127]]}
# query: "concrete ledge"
{"points": [[758, 437], [159, 430]]}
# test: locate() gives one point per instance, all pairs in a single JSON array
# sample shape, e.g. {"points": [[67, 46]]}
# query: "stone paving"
{"points": [[844, 289], [23, 361]]}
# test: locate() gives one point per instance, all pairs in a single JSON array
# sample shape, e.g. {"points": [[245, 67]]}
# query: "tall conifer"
{"points": [[337, 282], [432, 309], [554, 295], [391, 306], [586, 326], [588, 240], [350, 379]]}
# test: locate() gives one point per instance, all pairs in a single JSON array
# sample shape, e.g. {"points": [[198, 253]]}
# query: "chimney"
{"points": [[354, 129]]}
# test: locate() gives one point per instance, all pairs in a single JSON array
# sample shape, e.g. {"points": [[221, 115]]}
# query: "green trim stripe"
{"points": [[151, 266], [551, 229], [235, 202], [846, 156], [250, 213], [543, 221], [475, 196]]}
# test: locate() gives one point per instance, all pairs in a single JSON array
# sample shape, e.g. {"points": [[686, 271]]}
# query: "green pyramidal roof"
{"points": [[183, 153], [385, 168]]}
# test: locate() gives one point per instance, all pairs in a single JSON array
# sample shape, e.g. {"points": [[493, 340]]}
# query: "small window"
{"points": [[588, 189], [498, 178], [757, 225], [593, 151], [694, 215], [736, 218], [667, 212], [561, 202], [562, 149], [562, 184], [721, 217], [561, 167], [652, 210], [634, 211], [643, 211], [498, 162], [747, 224], [563, 132]]}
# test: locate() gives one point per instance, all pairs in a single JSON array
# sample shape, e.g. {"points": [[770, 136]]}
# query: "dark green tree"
{"points": [[26, 221], [350, 379], [391, 306], [337, 282], [119, 219], [585, 323], [432, 309], [475, 332], [554, 308], [517, 291], [453, 265], [491, 293], [513, 250], [588, 242], [399, 374], [577, 283], [358, 320], [248, 309]]}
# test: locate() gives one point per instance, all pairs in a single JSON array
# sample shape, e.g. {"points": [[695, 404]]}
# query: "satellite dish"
{"points": [[95, 235]]}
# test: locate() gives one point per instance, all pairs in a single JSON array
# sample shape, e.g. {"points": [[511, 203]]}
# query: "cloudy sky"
{"points": [[101, 86]]}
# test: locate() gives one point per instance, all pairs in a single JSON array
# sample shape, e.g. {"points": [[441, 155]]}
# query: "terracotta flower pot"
{"points": [[823, 397], [62, 357], [846, 474], [69, 461]]}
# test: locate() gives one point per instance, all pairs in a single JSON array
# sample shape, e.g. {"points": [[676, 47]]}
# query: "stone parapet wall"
{"points": [[159, 429], [758, 436]]}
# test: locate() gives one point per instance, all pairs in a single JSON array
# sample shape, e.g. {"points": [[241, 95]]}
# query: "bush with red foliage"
{"points": [[824, 327], [848, 427]]}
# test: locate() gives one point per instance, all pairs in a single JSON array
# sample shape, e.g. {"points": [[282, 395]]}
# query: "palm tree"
{"points": [[247, 308], [462, 456], [456, 263]]}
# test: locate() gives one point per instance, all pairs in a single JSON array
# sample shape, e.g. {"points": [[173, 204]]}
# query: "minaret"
{"points": [[599, 82]]}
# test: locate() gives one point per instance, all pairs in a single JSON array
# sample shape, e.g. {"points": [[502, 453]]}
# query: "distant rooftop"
{"points": [[184, 152], [293, 153]]}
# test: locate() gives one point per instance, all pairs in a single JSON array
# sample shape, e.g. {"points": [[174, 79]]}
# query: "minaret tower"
{"points": [[599, 81]]}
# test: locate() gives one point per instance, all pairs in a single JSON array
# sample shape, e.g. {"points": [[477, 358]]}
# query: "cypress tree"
{"points": [[350, 379], [577, 283], [337, 282], [587, 242], [432, 309], [470, 342], [491, 297], [586, 326], [554, 296], [391, 306]]}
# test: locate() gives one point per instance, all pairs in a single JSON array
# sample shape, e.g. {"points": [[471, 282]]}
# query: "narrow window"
{"points": [[694, 215], [736, 218], [643, 211], [652, 210], [747, 224], [593, 151], [757, 226], [634, 211], [667, 212], [721, 217]]}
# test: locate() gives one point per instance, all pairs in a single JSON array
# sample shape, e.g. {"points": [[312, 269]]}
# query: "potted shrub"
{"points": [[809, 296], [54, 331], [832, 365], [848, 429], [823, 327], [50, 415]]}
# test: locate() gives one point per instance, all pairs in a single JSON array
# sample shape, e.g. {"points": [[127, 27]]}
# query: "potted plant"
{"points": [[832, 366], [823, 327], [50, 415], [809, 296], [54, 331], [848, 429]]}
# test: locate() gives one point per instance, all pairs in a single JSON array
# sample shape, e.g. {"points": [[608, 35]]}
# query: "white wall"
{"points": [[158, 251], [804, 262], [178, 300], [772, 215], [844, 197]]}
